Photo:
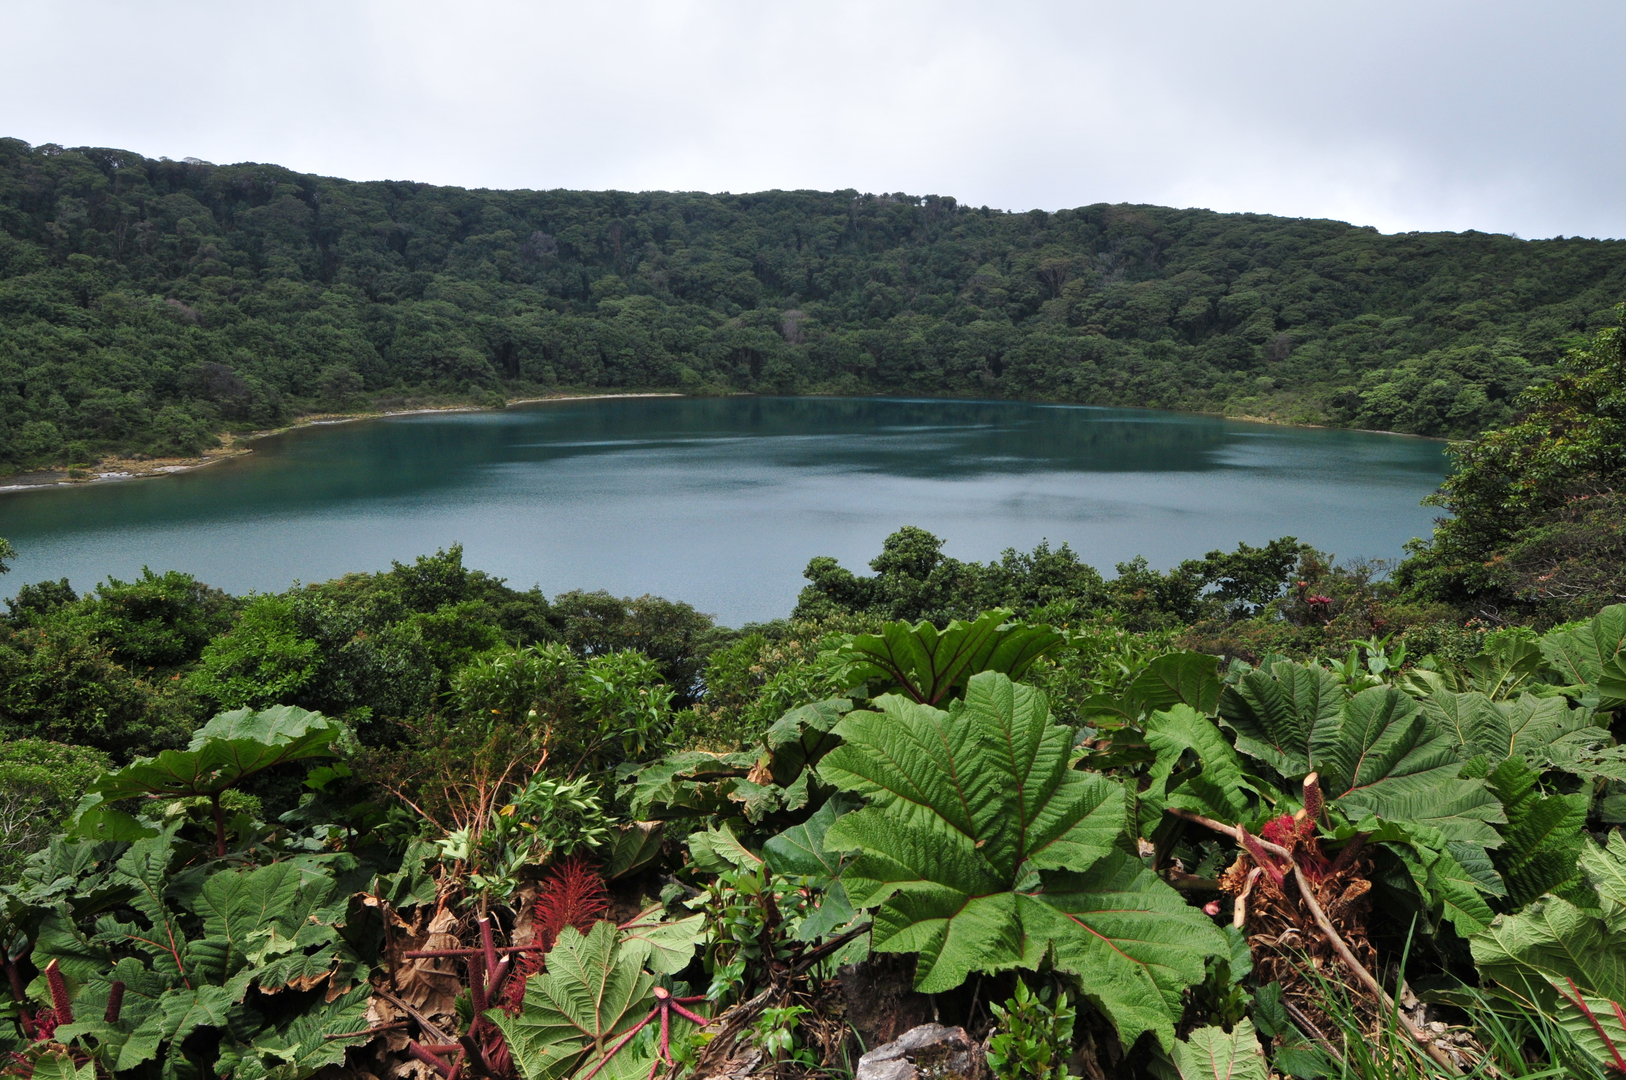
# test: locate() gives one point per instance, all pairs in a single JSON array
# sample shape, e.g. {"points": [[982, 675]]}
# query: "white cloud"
{"points": [[1421, 115]]}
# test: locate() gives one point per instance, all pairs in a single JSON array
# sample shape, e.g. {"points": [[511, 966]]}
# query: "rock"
{"points": [[928, 1052], [880, 998]]}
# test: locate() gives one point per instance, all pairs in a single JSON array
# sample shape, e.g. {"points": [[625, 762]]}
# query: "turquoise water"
{"points": [[722, 501]]}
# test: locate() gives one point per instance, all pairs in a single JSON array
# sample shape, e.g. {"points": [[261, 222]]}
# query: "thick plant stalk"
{"points": [[1239, 914], [434, 1061], [220, 826], [489, 947], [475, 1056]]}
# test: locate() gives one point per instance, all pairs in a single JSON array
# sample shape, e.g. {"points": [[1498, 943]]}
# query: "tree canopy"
{"points": [[149, 305]]}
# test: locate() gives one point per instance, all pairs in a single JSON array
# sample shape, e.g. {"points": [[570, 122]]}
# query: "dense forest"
{"points": [[149, 306], [1255, 816]]}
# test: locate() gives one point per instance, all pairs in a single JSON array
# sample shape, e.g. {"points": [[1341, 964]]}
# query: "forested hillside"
{"points": [[148, 305]]}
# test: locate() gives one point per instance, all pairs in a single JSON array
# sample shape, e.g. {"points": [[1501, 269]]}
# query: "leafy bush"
{"points": [[40, 783]]}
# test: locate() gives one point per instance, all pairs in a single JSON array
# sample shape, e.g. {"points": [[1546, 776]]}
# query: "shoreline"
{"points": [[119, 470]]}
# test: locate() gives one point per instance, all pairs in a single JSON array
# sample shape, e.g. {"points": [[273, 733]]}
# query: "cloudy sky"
{"points": [[1426, 114]]}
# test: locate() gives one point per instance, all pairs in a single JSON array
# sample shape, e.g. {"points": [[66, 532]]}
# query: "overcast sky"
{"points": [[1504, 117]]}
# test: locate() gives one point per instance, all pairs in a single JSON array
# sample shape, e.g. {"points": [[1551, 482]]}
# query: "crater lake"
{"points": [[720, 502]]}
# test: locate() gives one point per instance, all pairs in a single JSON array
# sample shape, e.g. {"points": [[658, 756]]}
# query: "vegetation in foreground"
{"points": [[1259, 814], [148, 306]]}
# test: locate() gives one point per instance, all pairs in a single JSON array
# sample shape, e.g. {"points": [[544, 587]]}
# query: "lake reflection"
{"points": [[722, 501]]}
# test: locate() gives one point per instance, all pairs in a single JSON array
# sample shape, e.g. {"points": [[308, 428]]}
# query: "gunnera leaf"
{"points": [[1566, 961], [1377, 753], [225, 752], [1209, 1053], [972, 815], [590, 995], [930, 664]]}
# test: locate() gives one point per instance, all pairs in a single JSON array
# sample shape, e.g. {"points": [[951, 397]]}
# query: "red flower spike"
{"points": [[573, 895], [59, 993], [1315, 804], [115, 1002]]}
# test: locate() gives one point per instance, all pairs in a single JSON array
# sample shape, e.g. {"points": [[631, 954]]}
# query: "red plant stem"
{"points": [[444, 1048], [494, 987], [59, 993], [220, 826], [431, 1060], [477, 991], [1620, 1016], [428, 954], [16, 979], [115, 1002], [1232, 831], [687, 1015], [1580, 1003], [619, 1043], [490, 947], [473, 1055], [666, 1037]]}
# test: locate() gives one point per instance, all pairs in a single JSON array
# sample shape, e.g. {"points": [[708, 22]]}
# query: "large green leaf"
{"points": [[1279, 712], [930, 664], [1385, 758], [687, 784], [802, 736], [226, 751], [1590, 655], [966, 808], [663, 945], [1543, 835], [1178, 678], [1210, 1053], [1555, 952], [1217, 789], [1508, 662], [1529, 727], [302, 1046], [799, 852], [1378, 753], [240, 907], [1134, 942], [591, 994]]}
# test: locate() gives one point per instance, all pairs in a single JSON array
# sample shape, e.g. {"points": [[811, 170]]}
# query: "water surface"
{"points": [[722, 501]]}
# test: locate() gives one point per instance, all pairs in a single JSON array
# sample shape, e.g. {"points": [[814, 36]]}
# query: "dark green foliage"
{"points": [[673, 634], [148, 305], [39, 598], [914, 580], [159, 621], [1536, 522], [40, 782]]}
